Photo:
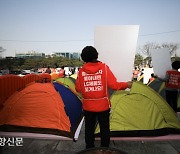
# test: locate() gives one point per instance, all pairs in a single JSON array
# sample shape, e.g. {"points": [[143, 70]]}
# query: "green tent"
{"points": [[159, 87], [141, 112], [69, 83]]}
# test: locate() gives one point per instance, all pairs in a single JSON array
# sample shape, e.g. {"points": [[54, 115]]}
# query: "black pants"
{"points": [[90, 121], [171, 98]]}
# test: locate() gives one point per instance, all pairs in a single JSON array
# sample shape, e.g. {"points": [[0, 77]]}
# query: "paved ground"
{"points": [[47, 146], [42, 146]]}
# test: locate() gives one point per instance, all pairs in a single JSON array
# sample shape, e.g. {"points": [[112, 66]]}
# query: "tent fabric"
{"points": [[44, 77], [30, 78], [54, 76], [159, 87], [8, 85], [73, 105], [36, 108], [67, 81], [141, 112], [70, 83], [13, 83], [74, 76]]}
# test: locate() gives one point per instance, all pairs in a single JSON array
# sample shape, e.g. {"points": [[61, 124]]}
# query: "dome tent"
{"points": [[9, 84], [69, 82], [159, 87], [38, 108], [73, 105], [141, 112]]}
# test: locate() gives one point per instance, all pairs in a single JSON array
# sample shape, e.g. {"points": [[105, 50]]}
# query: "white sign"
{"points": [[116, 46], [161, 61]]}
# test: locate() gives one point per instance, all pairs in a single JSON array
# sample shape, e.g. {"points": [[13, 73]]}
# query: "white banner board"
{"points": [[116, 46], [161, 61]]}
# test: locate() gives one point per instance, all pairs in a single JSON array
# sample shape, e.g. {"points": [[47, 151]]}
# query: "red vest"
{"points": [[94, 90], [174, 79]]}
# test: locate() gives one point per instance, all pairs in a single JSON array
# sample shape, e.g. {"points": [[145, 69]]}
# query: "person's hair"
{"points": [[89, 54], [152, 74], [176, 65]]}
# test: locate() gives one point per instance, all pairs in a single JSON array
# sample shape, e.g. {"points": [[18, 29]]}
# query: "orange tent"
{"points": [[54, 76], [44, 77], [38, 108], [30, 78], [8, 85]]}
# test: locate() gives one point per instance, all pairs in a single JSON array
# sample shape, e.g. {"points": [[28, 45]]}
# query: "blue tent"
{"points": [[73, 105]]}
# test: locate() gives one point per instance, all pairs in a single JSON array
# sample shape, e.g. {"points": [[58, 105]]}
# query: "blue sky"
{"points": [[68, 25]]}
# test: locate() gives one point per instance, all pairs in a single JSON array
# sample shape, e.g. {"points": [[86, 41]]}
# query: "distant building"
{"points": [[30, 54], [74, 55], [36, 55]]}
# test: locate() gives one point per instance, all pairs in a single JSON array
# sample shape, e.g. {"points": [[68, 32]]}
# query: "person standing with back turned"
{"points": [[172, 85], [93, 81]]}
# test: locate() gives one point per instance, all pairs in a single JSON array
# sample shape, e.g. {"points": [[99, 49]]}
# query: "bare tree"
{"points": [[2, 50], [171, 46], [146, 49]]}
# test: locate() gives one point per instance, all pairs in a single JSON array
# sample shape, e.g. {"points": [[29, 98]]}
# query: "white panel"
{"points": [[117, 46], [161, 61]]}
